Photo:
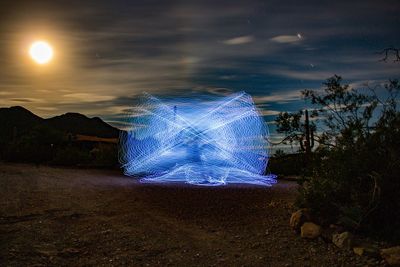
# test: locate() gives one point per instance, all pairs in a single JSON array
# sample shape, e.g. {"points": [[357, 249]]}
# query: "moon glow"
{"points": [[41, 52]]}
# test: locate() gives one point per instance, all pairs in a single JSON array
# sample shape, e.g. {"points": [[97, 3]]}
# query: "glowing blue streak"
{"points": [[226, 144]]}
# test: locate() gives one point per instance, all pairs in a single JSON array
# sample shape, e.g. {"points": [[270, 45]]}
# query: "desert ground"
{"points": [[84, 217]]}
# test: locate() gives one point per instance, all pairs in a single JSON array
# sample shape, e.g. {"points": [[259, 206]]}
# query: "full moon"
{"points": [[41, 52]]}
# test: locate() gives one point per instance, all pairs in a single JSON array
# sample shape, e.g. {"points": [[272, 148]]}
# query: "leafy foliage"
{"points": [[292, 126], [286, 164], [355, 171]]}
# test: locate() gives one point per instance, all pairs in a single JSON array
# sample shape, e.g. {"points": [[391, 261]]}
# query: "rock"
{"points": [[367, 250], [343, 240], [298, 218], [359, 251], [391, 255], [310, 230]]}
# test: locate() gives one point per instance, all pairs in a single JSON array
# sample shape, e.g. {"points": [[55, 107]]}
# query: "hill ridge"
{"points": [[20, 119]]}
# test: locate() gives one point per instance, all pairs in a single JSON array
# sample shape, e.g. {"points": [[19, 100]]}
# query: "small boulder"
{"points": [[359, 251], [310, 230], [366, 249], [391, 255], [298, 218], [343, 240]]}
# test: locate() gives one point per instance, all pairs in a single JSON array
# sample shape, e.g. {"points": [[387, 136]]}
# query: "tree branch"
{"points": [[390, 51]]}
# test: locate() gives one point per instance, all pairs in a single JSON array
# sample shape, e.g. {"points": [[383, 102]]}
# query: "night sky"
{"points": [[108, 52]]}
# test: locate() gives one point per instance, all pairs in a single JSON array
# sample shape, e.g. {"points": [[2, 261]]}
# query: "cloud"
{"points": [[227, 77], [26, 100], [222, 91], [125, 126], [88, 97], [269, 112], [357, 72], [309, 75], [239, 40], [112, 52], [283, 97], [287, 39], [4, 93], [47, 108]]}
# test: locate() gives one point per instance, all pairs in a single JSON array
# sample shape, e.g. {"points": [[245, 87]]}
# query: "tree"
{"points": [[354, 172], [345, 113], [337, 108], [390, 51], [297, 131]]}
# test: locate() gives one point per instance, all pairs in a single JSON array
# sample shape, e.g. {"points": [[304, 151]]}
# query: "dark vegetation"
{"points": [[353, 175], [286, 165], [25, 137]]}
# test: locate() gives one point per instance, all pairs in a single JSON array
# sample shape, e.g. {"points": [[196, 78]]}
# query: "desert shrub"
{"points": [[354, 177], [71, 155], [284, 165], [36, 145], [34, 153], [358, 186], [105, 156]]}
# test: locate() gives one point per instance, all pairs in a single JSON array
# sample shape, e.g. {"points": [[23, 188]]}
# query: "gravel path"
{"points": [[55, 216]]}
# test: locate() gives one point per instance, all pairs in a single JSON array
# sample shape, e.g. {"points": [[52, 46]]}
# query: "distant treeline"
{"points": [[43, 145], [69, 139]]}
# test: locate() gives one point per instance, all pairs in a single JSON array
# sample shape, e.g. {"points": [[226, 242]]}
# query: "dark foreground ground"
{"points": [[54, 216]]}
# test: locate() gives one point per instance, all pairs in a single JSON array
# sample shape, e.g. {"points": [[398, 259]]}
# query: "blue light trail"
{"points": [[212, 142]]}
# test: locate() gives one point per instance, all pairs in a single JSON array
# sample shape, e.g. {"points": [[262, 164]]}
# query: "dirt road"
{"points": [[55, 216]]}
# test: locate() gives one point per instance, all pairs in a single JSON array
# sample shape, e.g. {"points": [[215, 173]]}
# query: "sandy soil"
{"points": [[55, 216]]}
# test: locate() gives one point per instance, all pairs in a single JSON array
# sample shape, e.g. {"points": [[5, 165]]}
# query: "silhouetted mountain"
{"points": [[15, 121], [76, 123]]}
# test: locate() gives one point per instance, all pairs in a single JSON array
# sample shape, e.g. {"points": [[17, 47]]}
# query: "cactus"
{"points": [[307, 139]]}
